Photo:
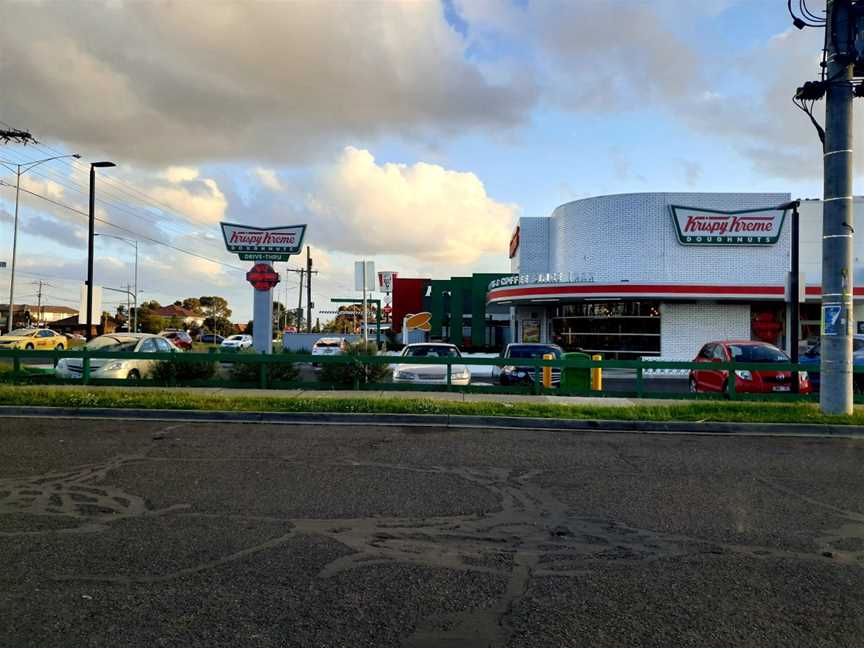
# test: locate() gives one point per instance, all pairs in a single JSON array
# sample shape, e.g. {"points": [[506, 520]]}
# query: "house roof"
{"points": [[176, 311], [45, 308]]}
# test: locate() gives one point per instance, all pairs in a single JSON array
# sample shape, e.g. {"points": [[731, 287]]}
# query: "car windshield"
{"points": [[23, 332], [432, 352], [533, 351], [110, 343], [329, 343], [236, 338], [756, 353]]}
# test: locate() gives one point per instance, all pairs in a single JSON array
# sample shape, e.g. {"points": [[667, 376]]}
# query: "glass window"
{"points": [[111, 343], [857, 345], [163, 346], [431, 352], [617, 329], [23, 332], [532, 351], [148, 346], [756, 353], [719, 353], [45, 334], [707, 351]]}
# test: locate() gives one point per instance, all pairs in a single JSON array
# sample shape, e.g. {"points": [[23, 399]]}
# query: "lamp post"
{"points": [[90, 235], [134, 243], [19, 170]]}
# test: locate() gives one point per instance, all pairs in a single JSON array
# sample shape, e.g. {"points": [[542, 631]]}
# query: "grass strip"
{"points": [[84, 397]]}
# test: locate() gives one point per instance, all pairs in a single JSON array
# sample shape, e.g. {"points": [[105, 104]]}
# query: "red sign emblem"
{"points": [[262, 276]]}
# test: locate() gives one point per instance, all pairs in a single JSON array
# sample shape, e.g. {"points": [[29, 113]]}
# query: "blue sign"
{"points": [[831, 322]]}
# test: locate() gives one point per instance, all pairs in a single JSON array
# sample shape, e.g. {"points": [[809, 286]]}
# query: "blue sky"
{"points": [[411, 133]]}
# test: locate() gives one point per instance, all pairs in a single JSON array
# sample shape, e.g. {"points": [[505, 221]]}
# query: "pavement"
{"points": [[132, 533]]}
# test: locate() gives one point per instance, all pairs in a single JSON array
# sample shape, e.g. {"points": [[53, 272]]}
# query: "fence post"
{"points": [[85, 367], [262, 375], [730, 384], [449, 376], [640, 383], [537, 378], [16, 361], [356, 373]]}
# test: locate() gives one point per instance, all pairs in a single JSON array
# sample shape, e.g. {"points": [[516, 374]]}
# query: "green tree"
{"points": [[219, 325], [192, 304], [214, 306]]}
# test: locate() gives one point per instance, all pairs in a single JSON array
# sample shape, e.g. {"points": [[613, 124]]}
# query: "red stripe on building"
{"points": [[635, 289]]}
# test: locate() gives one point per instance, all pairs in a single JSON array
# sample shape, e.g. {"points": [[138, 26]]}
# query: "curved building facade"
{"points": [[658, 274]]}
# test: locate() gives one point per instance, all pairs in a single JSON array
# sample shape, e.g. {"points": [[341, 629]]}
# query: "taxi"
{"points": [[33, 339]]}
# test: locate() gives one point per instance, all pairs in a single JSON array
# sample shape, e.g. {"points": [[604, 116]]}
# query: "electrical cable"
{"points": [[797, 20], [805, 11]]}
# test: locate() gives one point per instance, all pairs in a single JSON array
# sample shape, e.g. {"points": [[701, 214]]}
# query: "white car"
{"points": [[431, 374], [118, 369], [329, 346], [236, 342]]}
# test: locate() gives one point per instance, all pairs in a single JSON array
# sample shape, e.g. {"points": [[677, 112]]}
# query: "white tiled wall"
{"points": [[684, 328], [631, 236]]}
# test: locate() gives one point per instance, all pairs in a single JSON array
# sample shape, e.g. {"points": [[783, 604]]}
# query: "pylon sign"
{"points": [[262, 276], [263, 245]]}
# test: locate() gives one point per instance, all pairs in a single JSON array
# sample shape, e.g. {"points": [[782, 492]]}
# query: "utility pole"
{"points": [[300, 301], [837, 216], [308, 291], [40, 314]]}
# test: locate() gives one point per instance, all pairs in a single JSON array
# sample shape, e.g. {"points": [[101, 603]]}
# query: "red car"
{"points": [[710, 379], [179, 339]]}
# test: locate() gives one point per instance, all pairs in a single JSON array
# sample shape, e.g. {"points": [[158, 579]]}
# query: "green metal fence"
{"points": [[357, 366]]}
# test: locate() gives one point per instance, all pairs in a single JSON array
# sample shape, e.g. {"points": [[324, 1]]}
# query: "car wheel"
{"points": [[29, 347], [133, 376], [59, 347], [694, 387]]}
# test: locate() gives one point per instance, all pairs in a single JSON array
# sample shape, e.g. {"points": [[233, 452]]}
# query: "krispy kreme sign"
{"points": [[287, 239], [695, 226]]}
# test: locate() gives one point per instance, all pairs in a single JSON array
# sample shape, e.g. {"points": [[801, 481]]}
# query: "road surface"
{"points": [[166, 534]]}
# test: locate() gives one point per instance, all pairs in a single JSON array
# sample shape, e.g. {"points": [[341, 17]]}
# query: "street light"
{"points": [[19, 170], [135, 296], [90, 236]]}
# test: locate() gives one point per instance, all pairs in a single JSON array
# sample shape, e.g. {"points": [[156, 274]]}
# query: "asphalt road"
{"points": [[165, 534]]}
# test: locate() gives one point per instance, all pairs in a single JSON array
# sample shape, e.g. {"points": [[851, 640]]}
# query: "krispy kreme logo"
{"points": [[695, 226], [245, 238]]}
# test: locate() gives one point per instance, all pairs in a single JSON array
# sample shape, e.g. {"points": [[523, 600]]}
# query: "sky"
{"points": [[412, 133]]}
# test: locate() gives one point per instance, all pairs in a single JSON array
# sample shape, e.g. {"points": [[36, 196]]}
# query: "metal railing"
{"points": [[358, 367]]}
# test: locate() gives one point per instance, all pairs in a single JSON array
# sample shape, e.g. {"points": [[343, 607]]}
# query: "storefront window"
{"points": [[531, 330], [622, 330]]}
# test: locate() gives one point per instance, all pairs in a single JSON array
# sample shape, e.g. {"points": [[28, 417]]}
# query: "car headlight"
{"points": [[743, 374], [462, 374], [802, 376], [61, 364], [117, 365], [406, 375]]}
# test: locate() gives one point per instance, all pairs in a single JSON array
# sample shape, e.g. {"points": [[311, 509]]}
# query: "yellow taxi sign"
{"points": [[418, 322]]}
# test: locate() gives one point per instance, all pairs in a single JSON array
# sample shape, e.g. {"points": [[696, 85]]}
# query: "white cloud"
{"points": [[269, 179], [194, 80], [422, 211], [178, 174], [200, 200]]}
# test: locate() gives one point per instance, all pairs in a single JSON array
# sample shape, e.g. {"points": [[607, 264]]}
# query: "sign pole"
{"points": [[365, 309], [262, 319]]}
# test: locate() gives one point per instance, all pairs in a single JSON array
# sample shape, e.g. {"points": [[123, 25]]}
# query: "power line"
{"points": [[124, 229]]}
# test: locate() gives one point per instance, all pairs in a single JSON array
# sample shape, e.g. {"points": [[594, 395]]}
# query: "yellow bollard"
{"points": [[597, 375], [547, 371]]}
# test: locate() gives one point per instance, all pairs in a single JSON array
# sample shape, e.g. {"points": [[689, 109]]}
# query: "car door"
{"points": [[714, 378], [44, 340], [703, 357], [145, 366]]}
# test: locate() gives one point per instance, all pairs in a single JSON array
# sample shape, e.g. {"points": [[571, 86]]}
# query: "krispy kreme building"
{"points": [[659, 274]]}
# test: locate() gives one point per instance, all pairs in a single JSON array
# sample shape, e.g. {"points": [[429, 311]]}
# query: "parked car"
{"points": [[235, 342], [329, 346], [180, 339], [813, 356], [210, 338], [515, 374], [711, 379], [122, 369], [431, 374], [33, 338]]}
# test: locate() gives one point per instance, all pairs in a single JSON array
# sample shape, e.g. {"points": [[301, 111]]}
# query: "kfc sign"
{"points": [[263, 243], [696, 226]]}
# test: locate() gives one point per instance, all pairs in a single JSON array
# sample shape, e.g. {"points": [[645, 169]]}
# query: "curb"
{"points": [[434, 420]]}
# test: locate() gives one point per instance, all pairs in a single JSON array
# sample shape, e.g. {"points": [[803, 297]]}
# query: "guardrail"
{"points": [[359, 369]]}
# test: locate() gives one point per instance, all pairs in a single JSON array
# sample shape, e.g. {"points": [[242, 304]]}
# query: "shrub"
{"points": [[249, 372], [172, 370], [345, 373]]}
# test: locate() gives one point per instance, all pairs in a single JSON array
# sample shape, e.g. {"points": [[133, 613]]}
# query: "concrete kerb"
{"points": [[438, 420]]}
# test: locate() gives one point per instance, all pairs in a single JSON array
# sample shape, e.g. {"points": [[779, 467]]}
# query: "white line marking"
{"points": [[837, 151], [838, 198]]}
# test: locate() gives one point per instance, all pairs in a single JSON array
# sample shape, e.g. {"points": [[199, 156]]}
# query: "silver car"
{"points": [[431, 374], [109, 368]]}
